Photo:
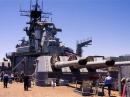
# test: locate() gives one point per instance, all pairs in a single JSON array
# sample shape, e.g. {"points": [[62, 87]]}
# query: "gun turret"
{"points": [[84, 63], [81, 63]]}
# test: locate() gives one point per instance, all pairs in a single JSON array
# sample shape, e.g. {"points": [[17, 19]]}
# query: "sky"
{"points": [[107, 22]]}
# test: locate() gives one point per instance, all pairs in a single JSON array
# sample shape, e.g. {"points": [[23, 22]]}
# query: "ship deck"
{"points": [[16, 90]]}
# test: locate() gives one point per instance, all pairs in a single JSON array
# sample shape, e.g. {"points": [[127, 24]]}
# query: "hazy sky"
{"points": [[106, 21]]}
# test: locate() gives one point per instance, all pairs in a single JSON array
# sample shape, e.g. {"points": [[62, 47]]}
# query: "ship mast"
{"points": [[35, 14]]}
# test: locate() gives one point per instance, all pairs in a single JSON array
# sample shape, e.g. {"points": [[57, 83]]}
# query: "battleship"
{"points": [[43, 47], [46, 58], [44, 55]]}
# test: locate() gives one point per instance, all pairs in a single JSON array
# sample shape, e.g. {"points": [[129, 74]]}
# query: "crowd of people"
{"points": [[9, 77]]}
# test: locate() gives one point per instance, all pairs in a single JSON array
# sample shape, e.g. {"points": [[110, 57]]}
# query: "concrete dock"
{"points": [[17, 90]]}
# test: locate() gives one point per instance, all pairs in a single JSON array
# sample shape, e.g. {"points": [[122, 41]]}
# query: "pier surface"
{"points": [[17, 90]]}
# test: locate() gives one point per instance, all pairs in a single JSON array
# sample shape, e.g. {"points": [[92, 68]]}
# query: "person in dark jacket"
{"points": [[26, 82], [5, 80]]}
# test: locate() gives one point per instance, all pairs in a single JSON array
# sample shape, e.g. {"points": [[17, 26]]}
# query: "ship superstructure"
{"points": [[42, 49], [42, 33]]}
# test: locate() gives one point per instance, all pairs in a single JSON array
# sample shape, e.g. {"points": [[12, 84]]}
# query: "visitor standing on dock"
{"points": [[5, 80], [26, 82], [108, 83], [1, 75]]}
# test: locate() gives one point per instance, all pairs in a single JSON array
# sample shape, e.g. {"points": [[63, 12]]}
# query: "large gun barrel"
{"points": [[85, 63], [107, 63], [100, 64], [79, 62], [122, 63]]}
